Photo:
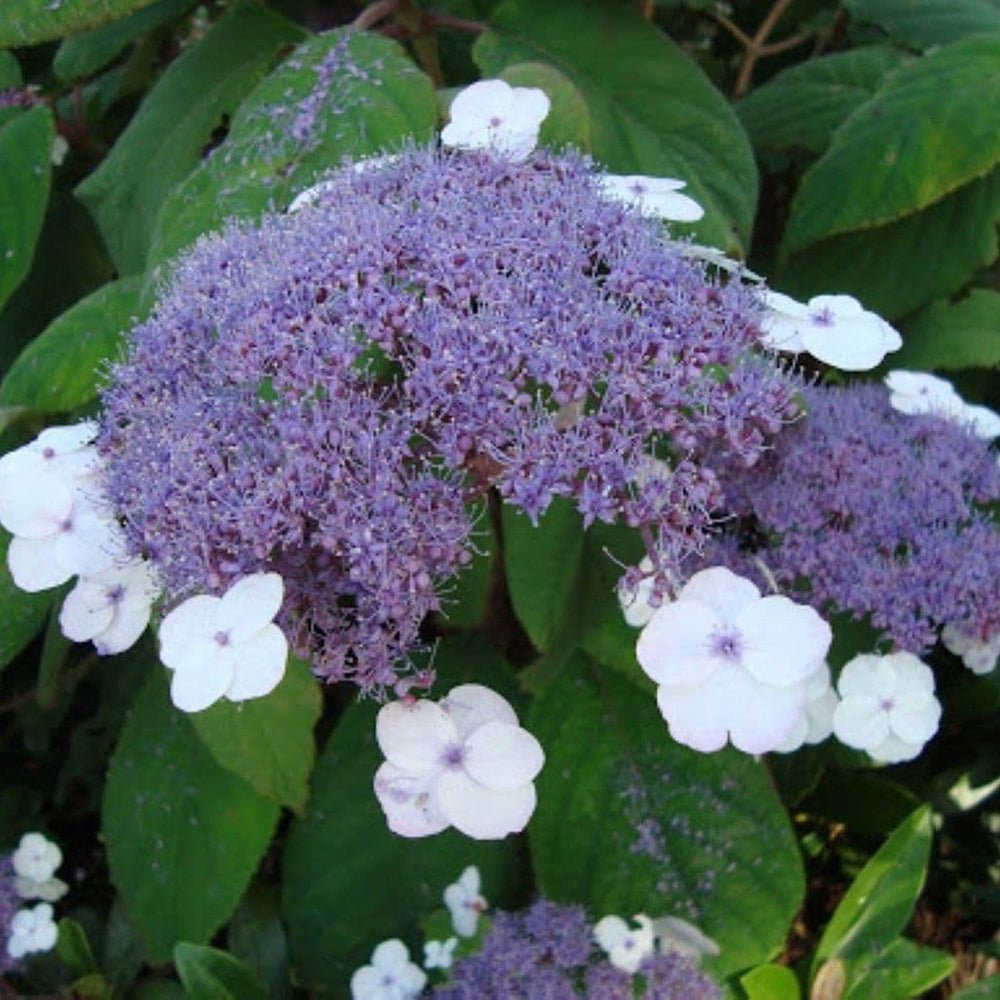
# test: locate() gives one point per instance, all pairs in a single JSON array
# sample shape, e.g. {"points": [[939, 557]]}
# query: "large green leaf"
{"points": [[268, 741], [770, 982], [256, 936], [25, 153], [22, 615], [28, 22], [629, 821], [901, 970], [891, 268], [927, 132], [963, 335], [880, 900], [183, 834], [340, 94], [59, 369], [985, 989], [800, 108], [10, 70], [653, 111], [349, 882], [167, 137], [923, 24], [210, 974]]}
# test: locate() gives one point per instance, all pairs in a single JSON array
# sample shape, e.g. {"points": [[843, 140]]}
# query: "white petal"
{"points": [[413, 735], [860, 722], [722, 590], [70, 438], [893, 750], [502, 757], [130, 621], [678, 935], [819, 715], [783, 642], [471, 705], [91, 541], [86, 612], [481, 813], [530, 106], [34, 507], [192, 621], [852, 345], [250, 604], [675, 646], [408, 801], [51, 889], [610, 932], [866, 676], [201, 683], [675, 207], [311, 195], [391, 956], [33, 565], [481, 101], [366, 983], [912, 674], [762, 715], [692, 716], [260, 664], [915, 716], [982, 421]]}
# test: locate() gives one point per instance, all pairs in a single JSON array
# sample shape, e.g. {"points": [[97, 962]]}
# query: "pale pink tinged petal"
{"points": [[196, 686], [983, 422], [762, 716], [858, 675], [722, 590], [33, 566], [782, 642], [195, 618], [481, 813], [692, 716], [676, 207], [408, 801], [914, 716], [366, 983], [674, 648], [860, 722], [413, 735], [842, 306], [610, 932], [260, 664], [86, 612], [250, 604], [502, 757], [893, 750], [471, 705], [130, 621], [35, 507]]}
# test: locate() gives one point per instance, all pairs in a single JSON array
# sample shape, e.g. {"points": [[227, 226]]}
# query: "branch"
{"points": [[374, 13]]}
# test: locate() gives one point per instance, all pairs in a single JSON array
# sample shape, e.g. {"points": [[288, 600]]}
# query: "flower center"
{"points": [[222, 638], [453, 755], [727, 645], [116, 594], [496, 122], [887, 704], [48, 453], [824, 317]]}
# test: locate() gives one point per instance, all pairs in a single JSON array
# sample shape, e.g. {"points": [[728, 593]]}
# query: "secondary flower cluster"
{"points": [[29, 874]]}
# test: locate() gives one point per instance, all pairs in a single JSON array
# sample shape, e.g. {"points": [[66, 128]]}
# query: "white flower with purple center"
{"points": [[225, 646], [439, 954], [112, 608], [391, 976], [464, 762], [887, 706], [979, 655], [465, 902], [626, 947], [835, 329], [919, 392], [731, 664], [491, 114], [656, 196], [35, 863], [32, 930]]}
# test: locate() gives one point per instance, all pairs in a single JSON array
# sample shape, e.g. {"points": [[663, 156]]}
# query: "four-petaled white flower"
{"points": [[439, 954], [887, 706], [35, 862], [225, 646], [817, 722], [111, 608], [32, 930], [918, 392], [835, 329], [464, 762], [626, 947], [731, 664], [979, 655], [656, 196], [391, 976], [491, 114], [465, 902], [674, 934]]}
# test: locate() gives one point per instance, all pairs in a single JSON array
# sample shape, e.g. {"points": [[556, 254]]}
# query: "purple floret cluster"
{"points": [[10, 903], [874, 512], [547, 951], [328, 395]]}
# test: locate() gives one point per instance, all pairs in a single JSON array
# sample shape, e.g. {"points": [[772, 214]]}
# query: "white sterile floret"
{"points": [[834, 329], [32, 930], [674, 934], [35, 863], [464, 762], [439, 954], [491, 114], [817, 722], [111, 608], [979, 655], [887, 706], [391, 976], [731, 664], [225, 646], [918, 392], [656, 196], [465, 902], [626, 947], [635, 604]]}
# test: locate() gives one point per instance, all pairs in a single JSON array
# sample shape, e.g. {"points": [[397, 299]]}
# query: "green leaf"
{"points": [[175, 122], [928, 23], [985, 989], [339, 94], [268, 741], [349, 882], [946, 336], [25, 152], [653, 110], [21, 614], [770, 982], [256, 936], [880, 900], [73, 948], [889, 269], [800, 107], [629, 821], [568, 120], [10, 70], [28, 22], [210, 974], [84, 54], [926, 133], [183, 834], [901, 970], [59, 369]]}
